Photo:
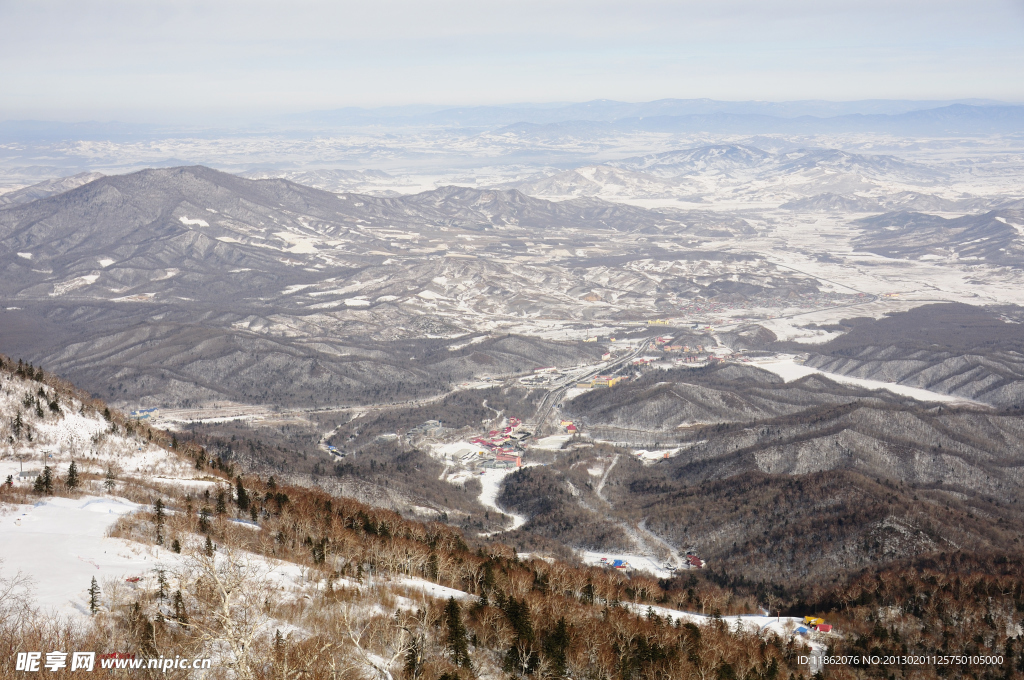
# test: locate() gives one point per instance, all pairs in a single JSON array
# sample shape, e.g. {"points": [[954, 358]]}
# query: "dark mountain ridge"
{"points": [[995, 237]]}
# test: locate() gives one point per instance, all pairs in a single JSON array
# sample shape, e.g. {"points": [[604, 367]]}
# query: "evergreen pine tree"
{"points": [[222, 506], [148, 642], [110, 481], [279, 650], [72, 480], [204, 520], [158, 507], [242, 498], [176, 546], [208, 548], [556, 643], [47, 480], [414, 659], [94, 596], [179, 609], [455, 642]]}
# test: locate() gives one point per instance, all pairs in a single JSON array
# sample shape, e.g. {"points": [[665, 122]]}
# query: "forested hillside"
{"points": [[274, 580]]}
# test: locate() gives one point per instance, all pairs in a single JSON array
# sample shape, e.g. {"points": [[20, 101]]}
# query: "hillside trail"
{"points": [[604, 479], [648, 543]]}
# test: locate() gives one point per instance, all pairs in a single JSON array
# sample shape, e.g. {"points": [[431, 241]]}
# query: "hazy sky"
{"points": [[143, 60]]}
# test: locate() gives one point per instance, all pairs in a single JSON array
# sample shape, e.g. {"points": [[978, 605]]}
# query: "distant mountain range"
{"points": [[938, 117], [697, 174], [609, 111], [199, 284]]}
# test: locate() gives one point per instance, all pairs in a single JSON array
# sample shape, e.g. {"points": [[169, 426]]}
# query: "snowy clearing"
{"points": [[62, 543], [552, 443], [636, 562]]}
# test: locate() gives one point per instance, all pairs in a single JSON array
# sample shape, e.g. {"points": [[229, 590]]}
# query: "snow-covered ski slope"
{"points": [[62, 544]]}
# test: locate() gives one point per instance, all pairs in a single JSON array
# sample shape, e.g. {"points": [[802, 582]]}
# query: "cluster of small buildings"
{"points": [[569, 426], [603, 381], [665, 345], [614, 564], [814, 623], [505, 445]]}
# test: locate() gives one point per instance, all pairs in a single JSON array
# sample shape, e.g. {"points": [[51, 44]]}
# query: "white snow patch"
{"points": [[552, 443], [193, 223], [432, 589], [27, 256], [818, 337], [574, 392], [74, 284], [455, 451], [649, 457], [301, 244], [106, 262]]}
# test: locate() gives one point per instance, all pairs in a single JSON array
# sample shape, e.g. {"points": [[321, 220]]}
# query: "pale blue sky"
{"points": [[140, 60]]}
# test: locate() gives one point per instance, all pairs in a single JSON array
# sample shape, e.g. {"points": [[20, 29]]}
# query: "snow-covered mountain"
{"points": [[734, 172], [50, 187], [995, 237], [712, 159]]}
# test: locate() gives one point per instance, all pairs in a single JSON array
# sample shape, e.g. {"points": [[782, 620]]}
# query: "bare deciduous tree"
{"points": [[232, 604]]}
